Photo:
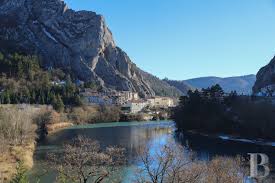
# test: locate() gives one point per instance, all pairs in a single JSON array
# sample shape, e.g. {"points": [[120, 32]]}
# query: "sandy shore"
{"points": [[52, 128]]}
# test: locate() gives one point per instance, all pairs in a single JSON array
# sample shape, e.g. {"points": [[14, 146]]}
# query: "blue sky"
{"points": [[182, 39]]}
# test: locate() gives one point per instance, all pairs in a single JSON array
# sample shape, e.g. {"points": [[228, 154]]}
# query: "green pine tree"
{"points": [[1, 57], [58, 104], [7, 99], [78, 101], [33, 97], [20, 176]]}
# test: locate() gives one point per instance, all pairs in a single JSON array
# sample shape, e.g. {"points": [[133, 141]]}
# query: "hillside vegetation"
{"points": [[22, 80]]}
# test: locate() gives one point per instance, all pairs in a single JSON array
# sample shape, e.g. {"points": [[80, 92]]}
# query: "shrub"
{"points": [[131, 117], [83, 160], [171, 164], [80, 115], [20, 176], [225, 169], [16, 125], [94, 114]]}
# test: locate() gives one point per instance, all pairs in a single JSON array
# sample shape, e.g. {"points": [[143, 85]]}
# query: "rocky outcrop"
{"points": [[78, 41], [265, 77]]}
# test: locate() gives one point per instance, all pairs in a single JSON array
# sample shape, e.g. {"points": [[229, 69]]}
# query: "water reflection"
{"points": [[131, 136], [208, 147], [134, 135]]}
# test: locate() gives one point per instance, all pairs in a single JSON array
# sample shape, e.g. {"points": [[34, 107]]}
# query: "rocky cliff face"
{"points": [[78, 41], [265, 77]]}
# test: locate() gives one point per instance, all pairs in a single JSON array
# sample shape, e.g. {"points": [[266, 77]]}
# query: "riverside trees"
{"points": [[83, 160], [210, 111]]}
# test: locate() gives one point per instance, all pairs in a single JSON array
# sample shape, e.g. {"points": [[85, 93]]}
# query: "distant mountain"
{"points": [[183, 86], [240, 84], [161, 87]]}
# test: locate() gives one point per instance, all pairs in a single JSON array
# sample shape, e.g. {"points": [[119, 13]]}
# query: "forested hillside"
{"points": [[22, 80]]}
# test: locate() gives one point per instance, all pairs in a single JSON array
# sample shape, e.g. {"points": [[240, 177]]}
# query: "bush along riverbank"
{"points": [[17, 137], [22, 126], [26, 124], [210, 111]]}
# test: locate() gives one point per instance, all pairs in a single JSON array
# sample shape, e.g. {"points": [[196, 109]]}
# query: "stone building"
{"points": [[134, 106], [122, 97], [162, 102]]}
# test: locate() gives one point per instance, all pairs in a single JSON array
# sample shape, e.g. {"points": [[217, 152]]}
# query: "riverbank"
{"points": [[213, 112], [234, 138], [134, 136], [22, 125], [9, 160], [52, 128], [18, 134]]}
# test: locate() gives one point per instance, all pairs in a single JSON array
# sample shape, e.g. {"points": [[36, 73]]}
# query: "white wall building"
{"points": [[122, 97], [163, 102], [135, 106], [99, 100]]}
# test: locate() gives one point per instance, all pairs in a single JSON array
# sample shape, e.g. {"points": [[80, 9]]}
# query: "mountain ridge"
{"points": [[241, 84], [79, 41]]}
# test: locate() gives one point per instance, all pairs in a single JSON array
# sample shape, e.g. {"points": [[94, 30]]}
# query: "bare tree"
{"points": [[16, 125], [169, 164], [83, 160], [225, 169], [172, 164]]}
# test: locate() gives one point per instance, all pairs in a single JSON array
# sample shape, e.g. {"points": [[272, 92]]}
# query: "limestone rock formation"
{"points": [[265, 78], [78, 41]]}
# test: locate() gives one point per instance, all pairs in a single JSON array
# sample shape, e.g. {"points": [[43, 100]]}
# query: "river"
{"points": [[132, 135]]}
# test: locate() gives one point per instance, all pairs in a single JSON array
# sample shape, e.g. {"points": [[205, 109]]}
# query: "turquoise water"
{"points": [[132, 135], [129, 135]]}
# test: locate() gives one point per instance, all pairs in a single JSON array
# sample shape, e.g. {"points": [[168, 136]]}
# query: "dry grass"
{"points": [[224, 169], [15, 154], [94, 114], [81, 115], [17, 137], [16, 125], [49, 121], [51, 128]]}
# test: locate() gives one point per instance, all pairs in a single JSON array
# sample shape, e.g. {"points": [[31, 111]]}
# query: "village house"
{"points": [[58, 83], [161, 102], [99, 100], [134, 106], [118, 98], [122, 97], [92, 97]]}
